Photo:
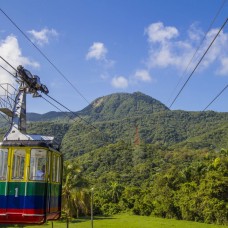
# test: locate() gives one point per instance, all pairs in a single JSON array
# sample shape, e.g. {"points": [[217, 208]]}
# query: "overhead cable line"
{"points": [[201, 42], [4, 101], [55, 100], [9, 65], [8, 97], [216, 96], [71, 111], [5, 118], [45, 56], [2, 85], [74, 114], [9, 73], [51, 103], [6, 69], [198, 63]]}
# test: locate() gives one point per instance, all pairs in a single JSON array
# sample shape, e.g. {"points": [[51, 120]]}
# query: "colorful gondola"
{"points": [[30, 165]]}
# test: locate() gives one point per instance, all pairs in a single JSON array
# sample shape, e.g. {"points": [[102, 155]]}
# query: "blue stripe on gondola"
{"points": [[23, 202], [2, 202], [27, 202]]}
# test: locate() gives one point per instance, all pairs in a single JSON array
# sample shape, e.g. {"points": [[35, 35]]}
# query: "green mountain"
{"points": [[109, 107], [169, 128], [124, 116], [119, 105]]}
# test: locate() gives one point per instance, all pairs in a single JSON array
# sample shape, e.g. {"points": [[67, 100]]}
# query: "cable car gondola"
{"points": [[30, 165]]}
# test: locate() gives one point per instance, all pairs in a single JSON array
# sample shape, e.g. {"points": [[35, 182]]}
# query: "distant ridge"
{"points": [[113, 106], [119, 105], [49, 116], [117, 116]]}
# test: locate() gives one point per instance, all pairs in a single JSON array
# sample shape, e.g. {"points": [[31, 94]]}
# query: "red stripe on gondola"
{"points": [[2, 211], [27, 216], [27, 211], [22, 211], [19, 219]]}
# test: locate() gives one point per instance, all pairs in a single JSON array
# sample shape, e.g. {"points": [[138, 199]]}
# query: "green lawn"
{"points": [[129, 221]]}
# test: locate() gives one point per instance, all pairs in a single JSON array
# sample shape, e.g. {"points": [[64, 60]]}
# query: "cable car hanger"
{"points": [[29, 84]]}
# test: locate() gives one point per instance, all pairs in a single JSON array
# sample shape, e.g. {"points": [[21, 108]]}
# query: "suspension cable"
{"points": [[216, 96], [198, 63], [45, 56]]}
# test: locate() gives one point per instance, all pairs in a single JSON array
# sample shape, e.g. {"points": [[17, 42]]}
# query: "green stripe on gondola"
{"points": [[33, 188], [2, 188]]}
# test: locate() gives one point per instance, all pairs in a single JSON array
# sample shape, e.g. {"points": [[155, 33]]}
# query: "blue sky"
{"points": [[111, 46]]}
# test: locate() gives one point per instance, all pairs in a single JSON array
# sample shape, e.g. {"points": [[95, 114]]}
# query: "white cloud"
{"points": [[195, 33], [218, 50], [170, 54], [11, 52], [166, 49], [43, 36], [157, 32], [120, 82], [223, 70], [97, 51], [143, 75]]}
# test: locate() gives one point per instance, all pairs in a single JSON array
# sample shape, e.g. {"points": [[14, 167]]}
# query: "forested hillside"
{"points": [[116, 117], [148, 179], [177, 128], [142, 157]]}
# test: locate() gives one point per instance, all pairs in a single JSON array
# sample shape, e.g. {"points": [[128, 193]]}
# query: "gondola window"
{"points": [[18, 164], [38, 161], [3, 163]]}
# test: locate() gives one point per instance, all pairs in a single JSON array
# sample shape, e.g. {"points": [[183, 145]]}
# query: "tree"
{"points": [[213, 192], [73, 194], [116, 191]]}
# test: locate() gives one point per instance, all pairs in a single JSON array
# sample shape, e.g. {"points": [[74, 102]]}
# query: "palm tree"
{"points": [[73, 191], [81, 201]]}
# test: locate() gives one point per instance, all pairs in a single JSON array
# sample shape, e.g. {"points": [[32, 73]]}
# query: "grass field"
{"points": [[129, 221]]}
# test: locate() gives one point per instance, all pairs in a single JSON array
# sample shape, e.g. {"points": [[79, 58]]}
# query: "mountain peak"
{"points": [[119, 105]]}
